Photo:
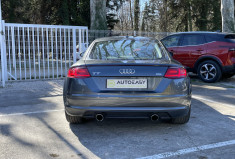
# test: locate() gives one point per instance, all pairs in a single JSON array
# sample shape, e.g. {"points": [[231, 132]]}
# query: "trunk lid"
{"points": [[126, 76], [127, 68]]}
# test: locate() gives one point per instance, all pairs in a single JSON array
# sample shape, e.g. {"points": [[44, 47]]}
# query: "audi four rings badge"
{"points": [[127, 71]]}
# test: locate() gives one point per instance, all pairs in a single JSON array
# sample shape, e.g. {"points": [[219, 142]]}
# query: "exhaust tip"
{"points": [[99, 117], [154, 117]]}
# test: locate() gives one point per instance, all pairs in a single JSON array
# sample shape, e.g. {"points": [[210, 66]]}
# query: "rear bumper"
{"points": [[170, 97], [229, 69], [127, 106]]}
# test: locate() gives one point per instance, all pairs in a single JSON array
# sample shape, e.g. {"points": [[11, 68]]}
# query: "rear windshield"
{"points": [[127, 49]]}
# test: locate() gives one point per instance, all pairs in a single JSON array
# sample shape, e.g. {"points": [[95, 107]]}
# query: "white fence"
{"points": [[40, 51]]}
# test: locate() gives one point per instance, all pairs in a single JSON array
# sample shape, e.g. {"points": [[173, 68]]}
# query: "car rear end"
{"points": [[127, 88], [222, 45], [229, 67]]}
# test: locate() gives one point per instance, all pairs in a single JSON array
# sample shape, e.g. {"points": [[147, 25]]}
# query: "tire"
{"points": [[182, 120], [74, 119], [228, 75], [209, 71]]}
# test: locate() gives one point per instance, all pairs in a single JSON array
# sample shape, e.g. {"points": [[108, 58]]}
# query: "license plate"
{"points": [[127, 83]]}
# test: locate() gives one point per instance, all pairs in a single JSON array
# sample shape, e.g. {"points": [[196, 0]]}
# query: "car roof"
{"points": [[124, 37], [202, 32]]}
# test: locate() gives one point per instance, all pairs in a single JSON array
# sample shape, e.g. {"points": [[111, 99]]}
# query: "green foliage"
{"points": [[191, 15], [64, 12], [150, 17], [10, 10], [158, 15], [57, 12]]}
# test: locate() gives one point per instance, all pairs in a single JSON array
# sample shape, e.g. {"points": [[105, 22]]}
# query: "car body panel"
{"points": [[169, 95], [216, 47], [188, 55], [86, 97]]}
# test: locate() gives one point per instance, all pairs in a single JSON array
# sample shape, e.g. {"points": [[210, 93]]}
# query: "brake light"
{"points": [[78, 72], [232, 52], [175, 72]]}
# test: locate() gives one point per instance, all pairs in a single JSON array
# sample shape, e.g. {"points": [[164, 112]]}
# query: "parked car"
{"points": [[120, 77], [209, 54]]}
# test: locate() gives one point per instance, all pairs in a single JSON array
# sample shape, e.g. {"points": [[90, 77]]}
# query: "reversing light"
{"points": [[78, 72], [175, 72]]}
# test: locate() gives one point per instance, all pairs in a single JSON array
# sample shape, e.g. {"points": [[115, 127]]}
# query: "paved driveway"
{"points": [[32, 125]]}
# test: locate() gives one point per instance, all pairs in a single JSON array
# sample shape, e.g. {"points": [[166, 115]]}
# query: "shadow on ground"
{"points": [[122, 138], [30, 92]]}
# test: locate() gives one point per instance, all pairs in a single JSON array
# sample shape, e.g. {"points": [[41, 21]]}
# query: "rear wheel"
{"points": [[74, 119], [209, 71], [181, 120]]}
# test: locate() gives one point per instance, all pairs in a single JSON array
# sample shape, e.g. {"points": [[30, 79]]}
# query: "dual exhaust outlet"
{"points": [[100, 117], [154, 117]]}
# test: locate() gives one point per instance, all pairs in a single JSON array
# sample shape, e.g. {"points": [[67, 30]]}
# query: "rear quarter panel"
{"points": [[220, 51]]}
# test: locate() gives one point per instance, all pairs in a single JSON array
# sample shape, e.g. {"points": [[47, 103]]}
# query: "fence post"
{"points": [[80, 42], [74, 45], [3, 53], [87, 42]]}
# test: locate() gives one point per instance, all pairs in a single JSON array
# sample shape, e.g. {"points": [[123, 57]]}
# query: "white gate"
{"points": [[40, 51]]}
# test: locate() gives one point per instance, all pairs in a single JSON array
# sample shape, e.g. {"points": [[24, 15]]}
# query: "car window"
{"points": [[127, 49], [171, 41], [213, 37], [230, 38], [193, 40]]}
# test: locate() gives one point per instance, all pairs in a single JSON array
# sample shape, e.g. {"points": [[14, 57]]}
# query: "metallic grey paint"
{"points": [[89, 96]]}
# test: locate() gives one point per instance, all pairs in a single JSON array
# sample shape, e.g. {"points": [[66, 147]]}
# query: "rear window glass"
{"points": [[171, 41], [127, 49], [193, 40]]}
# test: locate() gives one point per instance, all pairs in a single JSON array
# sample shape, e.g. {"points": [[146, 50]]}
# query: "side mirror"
{"points": [[79, 55], [171, 53], [82, 53]]}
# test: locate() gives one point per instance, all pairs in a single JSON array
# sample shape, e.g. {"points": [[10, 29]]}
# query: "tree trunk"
{"points": [[136, 15], [190, 25], [227, 13], [131, 15], [165, 15], [98, 15]]}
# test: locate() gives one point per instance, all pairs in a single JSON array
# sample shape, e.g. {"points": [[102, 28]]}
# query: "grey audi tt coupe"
{"points": [[127, 77]]}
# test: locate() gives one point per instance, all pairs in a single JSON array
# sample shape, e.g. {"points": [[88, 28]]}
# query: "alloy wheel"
{"points": [[208, 71]]}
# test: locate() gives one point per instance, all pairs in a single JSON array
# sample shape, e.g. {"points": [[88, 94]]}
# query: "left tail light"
{"points": [[78, 72], [175, 72], [232, 52]]}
